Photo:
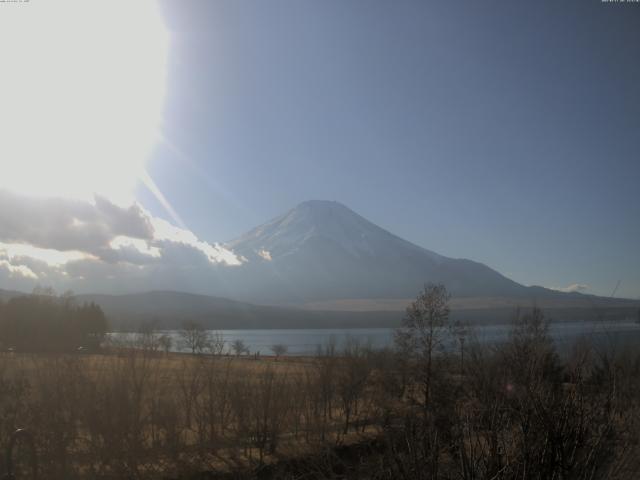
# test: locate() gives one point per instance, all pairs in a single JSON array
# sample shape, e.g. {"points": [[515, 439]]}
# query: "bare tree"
{"points": [[324, 384], [460, 332], [279, 349], [147, 339], [216, 344], [239, 347], [351, 379], [422, 333], [194, 337], [165, 342]]}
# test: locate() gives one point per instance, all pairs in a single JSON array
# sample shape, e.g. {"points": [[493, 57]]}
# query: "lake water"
{"points": [[306, 341]]}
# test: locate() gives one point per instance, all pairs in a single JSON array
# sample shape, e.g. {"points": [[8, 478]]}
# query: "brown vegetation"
{"points": [[418, 411]]}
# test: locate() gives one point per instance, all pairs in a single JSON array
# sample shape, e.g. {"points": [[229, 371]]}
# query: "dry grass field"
{"points": [[510, 412], [138, 413]]}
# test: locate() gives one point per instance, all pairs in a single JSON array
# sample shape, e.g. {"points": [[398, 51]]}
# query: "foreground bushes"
{"points": [[514, 411], [142, 414], [519, 414]]}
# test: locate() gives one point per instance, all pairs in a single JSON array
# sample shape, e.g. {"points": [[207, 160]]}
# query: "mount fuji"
{"points": [[322, 250], [321, 265]]}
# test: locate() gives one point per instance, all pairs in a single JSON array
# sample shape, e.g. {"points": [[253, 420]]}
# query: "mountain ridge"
{"points": [[322, 250]]}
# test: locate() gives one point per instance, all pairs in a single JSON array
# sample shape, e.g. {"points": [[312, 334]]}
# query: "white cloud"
{"points": [[573, 288], [68, 225], [266, 254], [17, 270], [215, 253], [99, 246], [50, 256], [133, 250]]}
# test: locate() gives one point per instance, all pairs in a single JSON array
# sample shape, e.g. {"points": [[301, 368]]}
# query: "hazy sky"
{"points": [[505, 132]]}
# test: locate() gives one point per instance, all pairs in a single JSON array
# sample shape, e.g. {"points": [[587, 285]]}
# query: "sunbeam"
{"points": [[83, 85]]}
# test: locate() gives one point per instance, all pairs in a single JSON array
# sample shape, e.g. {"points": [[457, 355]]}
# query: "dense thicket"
{"points": [[45, 323]]}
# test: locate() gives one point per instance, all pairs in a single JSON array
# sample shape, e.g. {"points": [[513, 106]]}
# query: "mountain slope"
{"points": [[322, 250]]}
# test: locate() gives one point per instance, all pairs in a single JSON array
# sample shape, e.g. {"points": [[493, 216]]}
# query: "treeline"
{"points": [[44, 322]]}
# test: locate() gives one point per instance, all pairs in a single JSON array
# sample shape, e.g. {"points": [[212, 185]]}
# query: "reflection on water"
{"points": [[306, 341]]}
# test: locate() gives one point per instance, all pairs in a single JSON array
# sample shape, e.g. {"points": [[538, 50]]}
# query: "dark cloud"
{"points": [[107, 248], [64, 224]]}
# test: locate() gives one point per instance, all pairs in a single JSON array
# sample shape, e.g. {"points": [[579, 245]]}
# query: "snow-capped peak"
{"points": [[323, 219]]}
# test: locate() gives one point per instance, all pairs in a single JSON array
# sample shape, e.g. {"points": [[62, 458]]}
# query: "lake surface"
{"points": [[307, 341]]}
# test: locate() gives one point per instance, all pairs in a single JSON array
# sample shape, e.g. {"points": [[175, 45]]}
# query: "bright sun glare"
{"points": [[81, 95]]}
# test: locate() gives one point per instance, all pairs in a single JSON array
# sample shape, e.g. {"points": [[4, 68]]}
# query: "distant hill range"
{"points": [[169, 310], [321, 265], [165, 309]]}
